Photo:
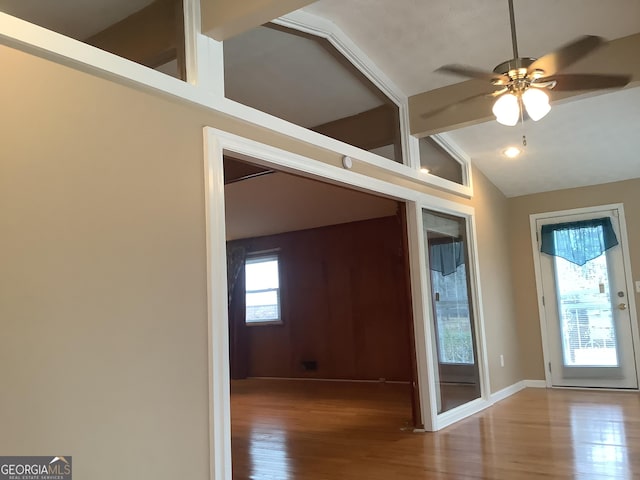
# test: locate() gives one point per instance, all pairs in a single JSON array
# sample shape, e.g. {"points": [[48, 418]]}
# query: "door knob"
{"points": [[622, 306]]}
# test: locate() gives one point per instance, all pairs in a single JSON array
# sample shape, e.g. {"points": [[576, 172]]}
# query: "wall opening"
{"points": [[345, 312], [303, 79], [148, 32]]}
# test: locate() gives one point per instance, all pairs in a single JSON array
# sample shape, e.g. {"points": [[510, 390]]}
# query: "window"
{"points": [[262, 289], [439, 161]]}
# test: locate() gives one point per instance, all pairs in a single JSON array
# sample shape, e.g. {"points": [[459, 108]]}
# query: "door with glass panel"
{"points": [[585, 298], [454, 349]]}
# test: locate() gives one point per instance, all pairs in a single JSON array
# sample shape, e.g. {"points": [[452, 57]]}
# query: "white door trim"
{"points": [[533, 218], [216, 142]]}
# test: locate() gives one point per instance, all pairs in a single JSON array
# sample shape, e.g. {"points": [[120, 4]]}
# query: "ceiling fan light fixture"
{"points": [[536, 101], [507, 110]]}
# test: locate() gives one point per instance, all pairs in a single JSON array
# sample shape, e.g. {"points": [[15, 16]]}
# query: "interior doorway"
{"points": [[217, 145], [319, 300]]}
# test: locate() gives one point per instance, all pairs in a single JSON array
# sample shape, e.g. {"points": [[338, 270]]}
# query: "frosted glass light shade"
{"points": [[536, 102], [507, 110]]}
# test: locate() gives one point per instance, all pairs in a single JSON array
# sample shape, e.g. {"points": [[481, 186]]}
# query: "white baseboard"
{"points": [[535, 383], [507, 391], [515, 388]]}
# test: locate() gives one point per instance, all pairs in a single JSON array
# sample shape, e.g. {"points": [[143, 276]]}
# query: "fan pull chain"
{"points": [[524, 140]]}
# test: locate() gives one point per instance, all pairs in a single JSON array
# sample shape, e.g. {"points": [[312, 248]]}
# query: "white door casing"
{"points": [[625, 320], [218, 142]]}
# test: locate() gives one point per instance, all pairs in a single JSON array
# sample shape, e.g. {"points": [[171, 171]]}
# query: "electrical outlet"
{"points": [[637, 287], [501, 360]]}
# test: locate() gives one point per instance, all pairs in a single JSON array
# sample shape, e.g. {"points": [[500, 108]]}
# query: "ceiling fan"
{"points": [[523, 82]]}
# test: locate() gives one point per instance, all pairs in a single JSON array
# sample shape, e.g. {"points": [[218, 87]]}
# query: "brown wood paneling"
{"points": [[343, 304]]}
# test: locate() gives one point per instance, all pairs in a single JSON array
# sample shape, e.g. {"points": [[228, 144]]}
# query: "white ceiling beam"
{"points": [[223, 19]]}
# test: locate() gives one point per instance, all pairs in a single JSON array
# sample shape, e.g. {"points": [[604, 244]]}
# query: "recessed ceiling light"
{"points": [[424, 170], [512, 152]]}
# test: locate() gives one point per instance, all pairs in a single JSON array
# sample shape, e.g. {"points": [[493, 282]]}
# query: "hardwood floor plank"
{"points": [[286, 430]]}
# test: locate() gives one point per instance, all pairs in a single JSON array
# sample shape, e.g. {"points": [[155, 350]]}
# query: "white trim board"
{"points": [[218, 331], [515, 388]]}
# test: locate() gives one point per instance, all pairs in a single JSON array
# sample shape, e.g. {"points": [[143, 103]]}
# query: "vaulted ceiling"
{"points": [[585, 140]]}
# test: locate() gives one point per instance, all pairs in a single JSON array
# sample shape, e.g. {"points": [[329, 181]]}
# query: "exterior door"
{"points": [[585, 298]]}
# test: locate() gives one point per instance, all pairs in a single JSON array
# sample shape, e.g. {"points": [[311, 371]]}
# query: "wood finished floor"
{"points": [[301, 430]]}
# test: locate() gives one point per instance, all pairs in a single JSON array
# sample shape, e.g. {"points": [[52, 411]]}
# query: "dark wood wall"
{"points": [[344, 306]]}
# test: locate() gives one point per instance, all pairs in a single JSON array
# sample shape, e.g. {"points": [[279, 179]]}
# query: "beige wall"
{"points": [[492, 221], [626, 192], [103, 282]]}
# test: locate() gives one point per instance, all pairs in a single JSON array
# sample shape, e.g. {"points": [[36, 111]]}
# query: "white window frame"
{"points": [[452, 149], [257, 257]]}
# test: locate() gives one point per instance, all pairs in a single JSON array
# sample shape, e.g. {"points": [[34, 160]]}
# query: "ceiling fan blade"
{"points": [[471, 72], [459, 103], [570, 53], [580, 81]]}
